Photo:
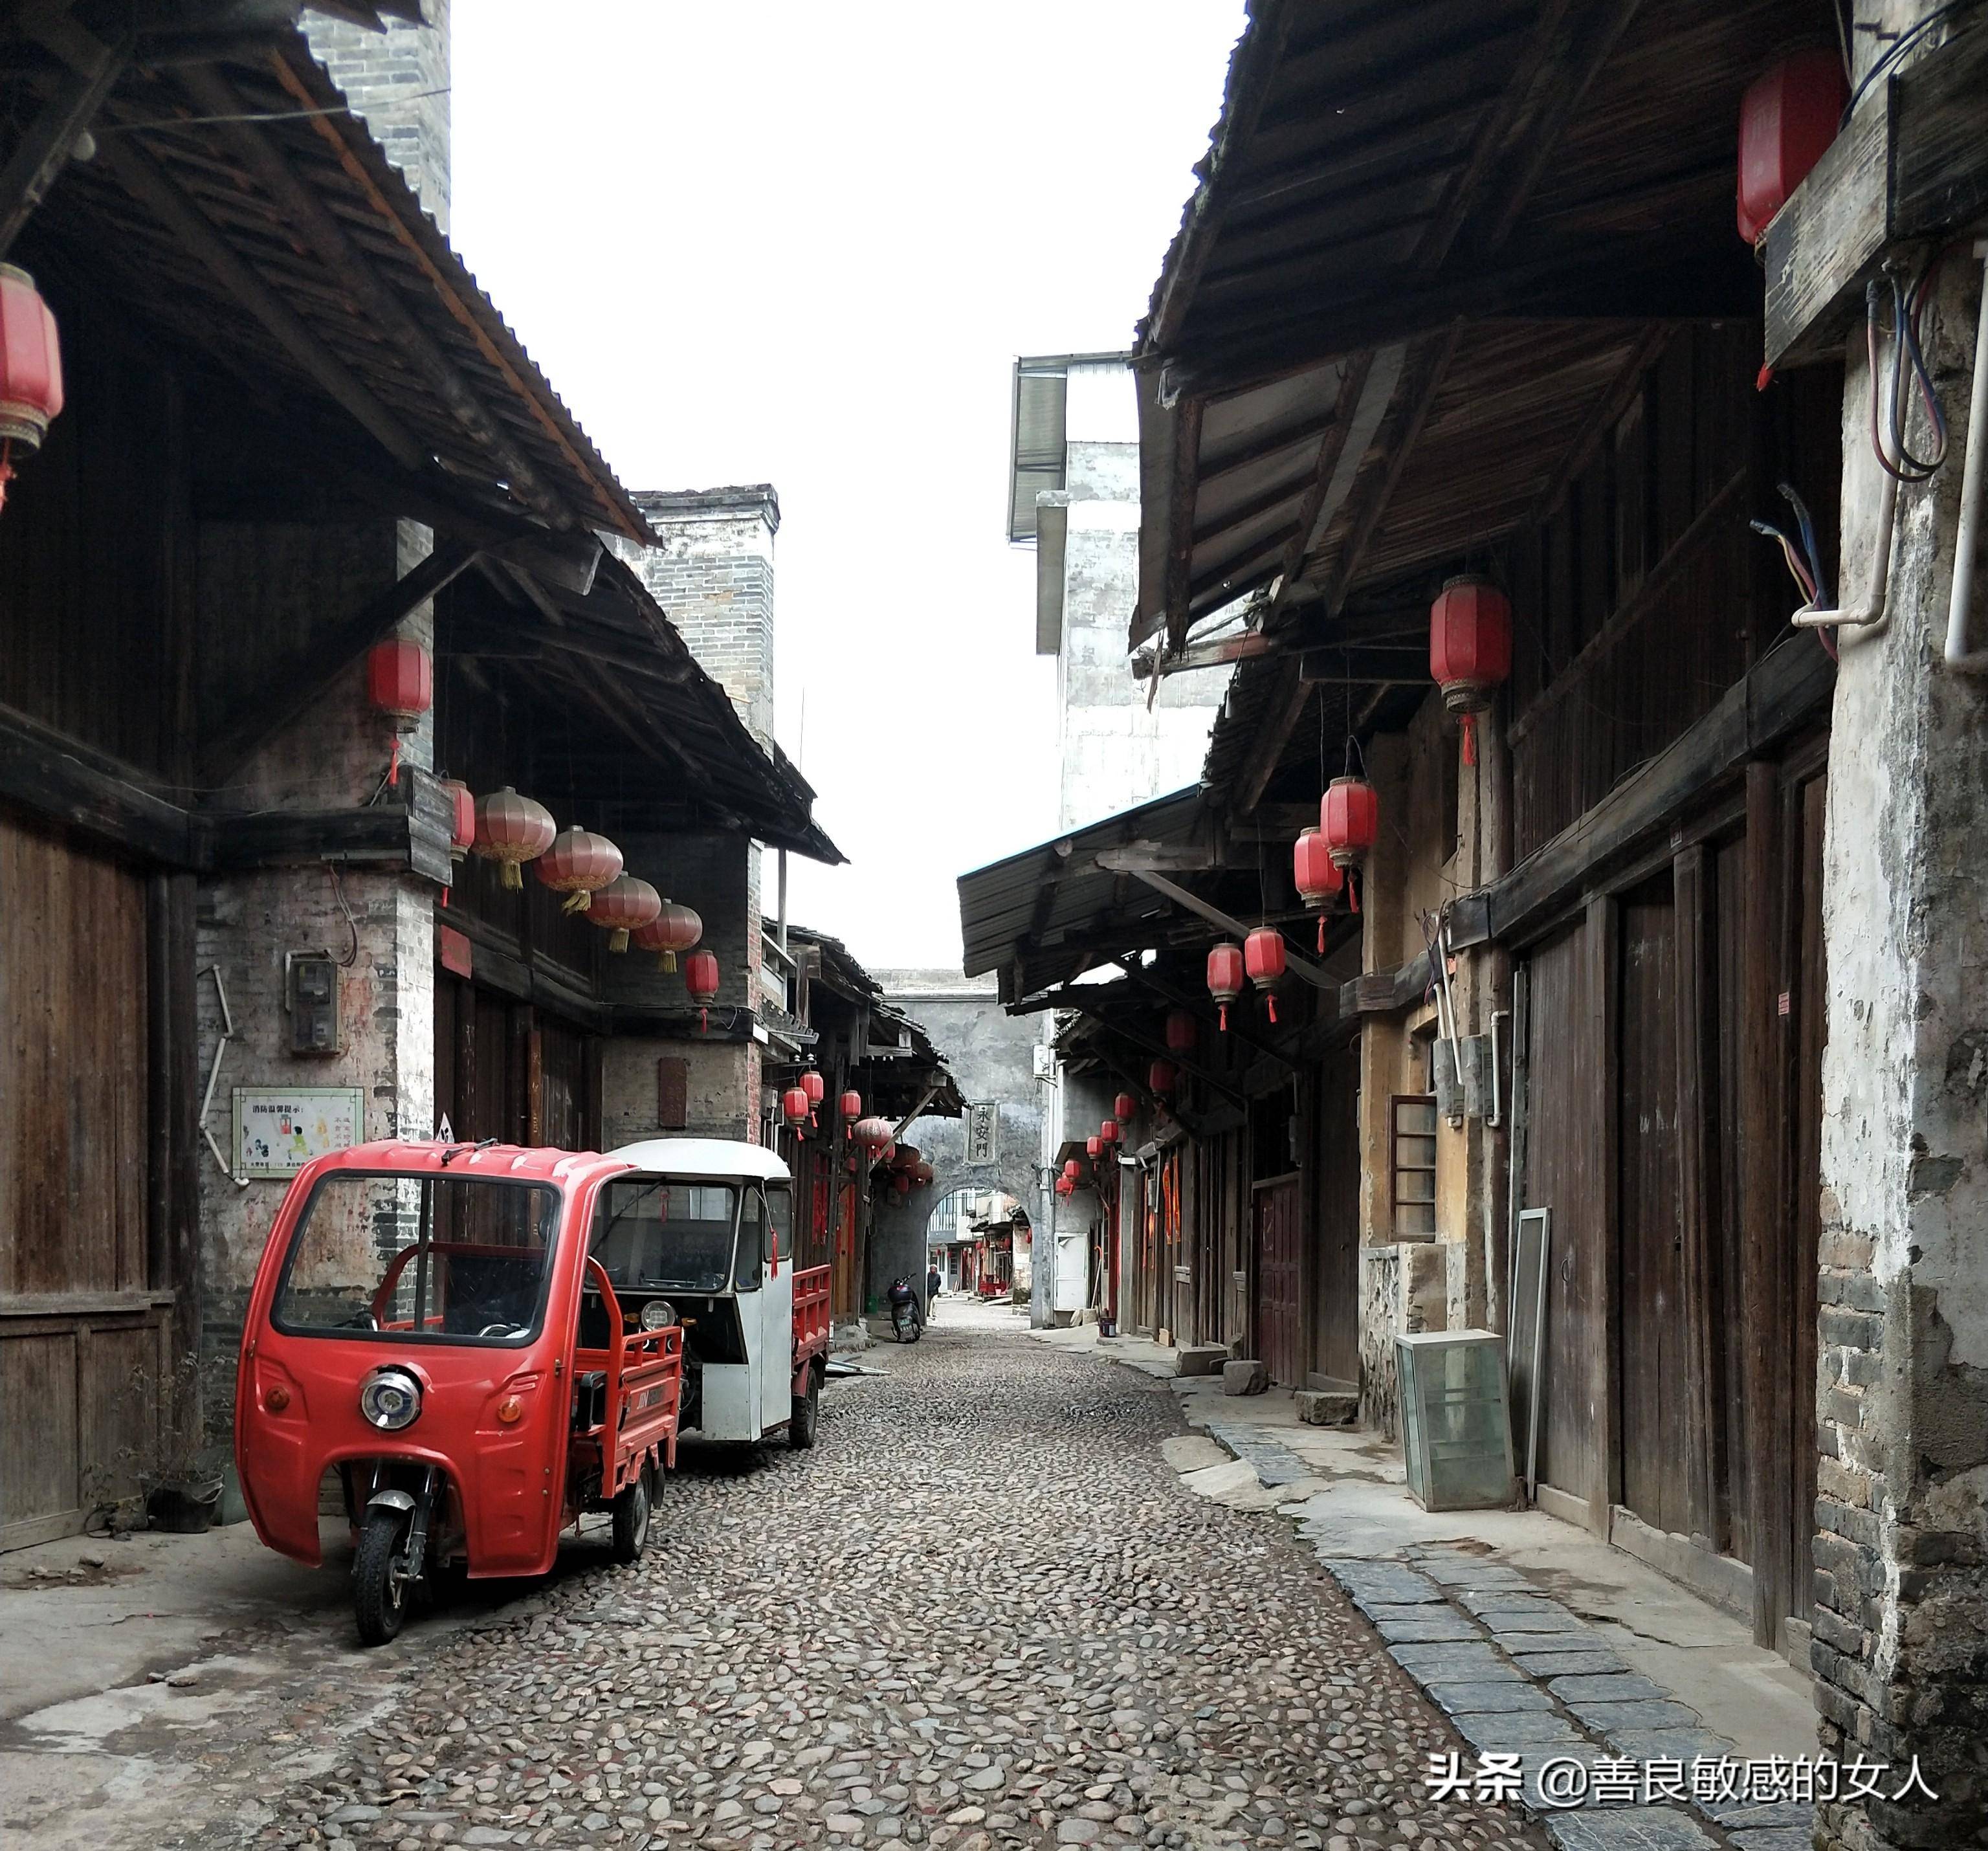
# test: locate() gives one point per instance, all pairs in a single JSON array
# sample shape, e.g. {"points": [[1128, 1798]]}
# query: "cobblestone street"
{"points": [[982, 1612]]}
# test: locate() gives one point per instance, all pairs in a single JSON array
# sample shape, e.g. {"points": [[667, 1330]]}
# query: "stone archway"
{"points": [[897, 1231]]}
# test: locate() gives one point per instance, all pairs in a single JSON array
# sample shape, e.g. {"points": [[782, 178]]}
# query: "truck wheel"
{"points": [[379, 1595], [631, 1519], [808, 1415]]}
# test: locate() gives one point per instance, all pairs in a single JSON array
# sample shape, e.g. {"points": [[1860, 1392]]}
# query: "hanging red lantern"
{"points": [[1064, 1187], [815, 1086], [701, 979], [1072, 1169], [1107, 1132], [579, 865], [1263, 958], [794, 1107], [511, 830], [461, 817], [400, 682], [900, 1185], [1788, 117], [673, 929], [1316, 876], [922, 1174], [1470, 649], [1183, 1031], [1125, 1107], [1224, 976], [625, 905], [31, 380], [1161, 1077], [1349, 818], [852, 1106], [874, 1135], [1092, 1145]]}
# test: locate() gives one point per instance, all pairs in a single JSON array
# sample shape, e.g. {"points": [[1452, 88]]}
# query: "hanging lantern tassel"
{"points": [[1352, 895], [1470, 739]]}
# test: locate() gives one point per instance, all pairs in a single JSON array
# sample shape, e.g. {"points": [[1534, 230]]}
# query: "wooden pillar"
{"points": [[1604, 931]]}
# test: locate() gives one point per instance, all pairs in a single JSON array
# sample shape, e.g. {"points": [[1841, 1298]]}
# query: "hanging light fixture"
{"points": [[400, 682], [579, 865], [1224, 976], [1470, 649], [1263, 958], [31, 380], [511, 830], [701, 979], [1349, 818], [673, 929], [625, 905], [1318, 879]]}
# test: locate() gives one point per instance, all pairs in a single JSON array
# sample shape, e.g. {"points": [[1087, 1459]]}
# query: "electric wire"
{"points": [[1897, 48]]}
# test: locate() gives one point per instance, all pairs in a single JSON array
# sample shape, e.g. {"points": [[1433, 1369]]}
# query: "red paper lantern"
{"points": [[1224, 976], [31, 380], [673, 929], [400, 682], [1161, 1077], [1064, 1187], [815, 1086], [1470, 649], [579, 865], [1316, 876], [1072, 1169], [1107, 1132], [1183, 1031], [1125, 1107], [461, 817], [852, 1106], [874, 1135], [1263, 958], [701, 979], [922, 1174], [1349, 818], [1788, 117], [1092, 1147], [625, 905], [511, 830], [794, 1106]]}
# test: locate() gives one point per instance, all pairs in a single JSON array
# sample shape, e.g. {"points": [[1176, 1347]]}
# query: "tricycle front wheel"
{"points": [[379, 1590], [631, 1519]]}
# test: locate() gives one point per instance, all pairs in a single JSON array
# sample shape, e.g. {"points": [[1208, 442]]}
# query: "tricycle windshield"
{"points": [[671, 1236], [426, 1258]]}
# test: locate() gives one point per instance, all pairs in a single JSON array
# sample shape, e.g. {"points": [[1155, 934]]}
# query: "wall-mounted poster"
{"points": [[982, 1122], [279, 1129]]}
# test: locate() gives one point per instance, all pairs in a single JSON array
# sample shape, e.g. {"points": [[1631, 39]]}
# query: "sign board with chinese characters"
{"points": [[279, 1129], [983, 1124]]}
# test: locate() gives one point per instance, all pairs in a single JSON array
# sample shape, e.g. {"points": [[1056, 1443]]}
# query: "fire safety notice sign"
{"points": [[279, 1129]]}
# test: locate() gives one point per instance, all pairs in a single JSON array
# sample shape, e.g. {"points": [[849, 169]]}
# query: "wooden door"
{"points": [[85, 1374], [1657, 1372], [1279, 1269]]}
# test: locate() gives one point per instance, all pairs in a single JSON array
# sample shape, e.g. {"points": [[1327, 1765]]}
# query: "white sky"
{"points": [[801, 244]]}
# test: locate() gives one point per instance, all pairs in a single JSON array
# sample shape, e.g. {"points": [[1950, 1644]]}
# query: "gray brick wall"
{"points": [[391, 79]]}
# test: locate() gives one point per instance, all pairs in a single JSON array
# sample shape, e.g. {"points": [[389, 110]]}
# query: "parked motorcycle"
{"points": [[908, 1319]]}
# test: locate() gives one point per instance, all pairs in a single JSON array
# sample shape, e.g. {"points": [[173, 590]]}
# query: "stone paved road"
{"points": [[981, 1613]]}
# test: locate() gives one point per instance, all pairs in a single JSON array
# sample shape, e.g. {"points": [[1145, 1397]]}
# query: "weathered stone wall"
{"points": [[397, 82], [1900, 1644]]}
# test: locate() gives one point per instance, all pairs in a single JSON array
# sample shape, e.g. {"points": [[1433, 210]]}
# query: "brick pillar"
{"points": [[398, 82], [1901, 1547]]}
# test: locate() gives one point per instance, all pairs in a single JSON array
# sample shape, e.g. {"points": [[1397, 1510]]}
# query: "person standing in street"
{"points": [[933, 1282]]}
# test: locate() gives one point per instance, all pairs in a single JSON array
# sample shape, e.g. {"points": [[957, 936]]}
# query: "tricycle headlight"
{"points": [[659, 1314], [391, 1399]]}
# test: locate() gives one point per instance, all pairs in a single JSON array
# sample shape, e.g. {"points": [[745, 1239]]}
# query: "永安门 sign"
{"points": [[279, 1129], [982, 1121]]}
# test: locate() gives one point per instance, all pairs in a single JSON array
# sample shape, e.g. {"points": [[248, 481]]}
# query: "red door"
{"points": [[1280, 1274]]}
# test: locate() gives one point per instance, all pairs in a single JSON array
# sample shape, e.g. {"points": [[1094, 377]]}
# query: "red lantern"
{"points": [[1316, 876], [1125, 1107], [814, 1086], [1470, 649], [794, 1106], [461, 817], [1064, 1187], [1224, 976], [1183, 1031], [900, 1185], [1072, 1169], [1787, 117], [874, 1135], [1263, 958], [1107, 1132], [1092, 1147], [511, 830], [1161, 1077], [701, 979], [1349, 818], [625, 905], [31, 381], [852, 1106], [400, 682], [922, 1174], [579, 865], [673, 929]]}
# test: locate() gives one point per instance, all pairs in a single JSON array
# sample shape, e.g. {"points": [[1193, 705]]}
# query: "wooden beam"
{"points": [[414, 834], [58, 780], [1071, 997], [305, 211], [42, 154], [1168, 993], [1299, 965], [303, 674], [178, 215]]}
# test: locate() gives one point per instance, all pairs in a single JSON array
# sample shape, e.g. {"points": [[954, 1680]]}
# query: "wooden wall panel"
{"points": [[1336, 1217], [1728, 1241]]}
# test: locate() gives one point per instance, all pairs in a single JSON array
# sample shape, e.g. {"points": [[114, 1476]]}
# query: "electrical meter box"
{"points": [[311, 996], [1456, 1432]]}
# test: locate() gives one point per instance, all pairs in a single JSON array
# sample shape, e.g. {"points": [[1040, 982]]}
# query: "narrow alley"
{"points": [[982, 1611]]}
